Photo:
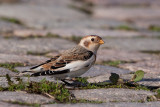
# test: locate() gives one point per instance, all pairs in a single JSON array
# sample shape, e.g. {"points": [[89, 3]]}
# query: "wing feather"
{"points": [[51, 67]]}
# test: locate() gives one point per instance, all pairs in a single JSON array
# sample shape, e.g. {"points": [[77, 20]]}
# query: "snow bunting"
{"points": [[72, 62]]}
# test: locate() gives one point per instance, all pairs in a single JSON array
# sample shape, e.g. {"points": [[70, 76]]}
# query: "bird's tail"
{"points": [[25, 73]]}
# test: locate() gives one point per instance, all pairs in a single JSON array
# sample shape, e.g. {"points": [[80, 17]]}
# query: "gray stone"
{"points": [[126, 13], [133, 44], [123, 55], [24, 97], [7, 27], [20, 69], [128, 3], [4, 71], [33, 45], [148, 79], [53, 13], [146, 23], [26, 59], [4, 82], [151, 66], [100, 78], [112, 94], [101, 70], [5, 104], [118, 104], [79, 32]]}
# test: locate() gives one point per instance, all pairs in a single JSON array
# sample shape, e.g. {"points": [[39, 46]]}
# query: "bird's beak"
{"points": [[101, 42]]}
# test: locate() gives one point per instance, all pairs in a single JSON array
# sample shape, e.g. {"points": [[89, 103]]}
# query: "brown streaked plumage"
{"points": [[72, 62]]}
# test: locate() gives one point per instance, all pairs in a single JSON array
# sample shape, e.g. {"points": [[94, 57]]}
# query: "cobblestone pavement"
{"points": [[32, 31]]}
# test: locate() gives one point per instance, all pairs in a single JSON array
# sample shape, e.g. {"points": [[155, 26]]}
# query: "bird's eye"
{"points": [[92, 39]]}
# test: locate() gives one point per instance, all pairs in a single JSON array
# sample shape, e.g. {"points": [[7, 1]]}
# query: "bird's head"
{"points": [[91, 42]]}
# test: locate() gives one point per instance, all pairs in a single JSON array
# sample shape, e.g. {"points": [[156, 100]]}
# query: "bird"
{"points": [[70, 63]]}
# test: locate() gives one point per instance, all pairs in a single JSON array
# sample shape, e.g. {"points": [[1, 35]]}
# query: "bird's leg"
{"points": [[67, 83]]}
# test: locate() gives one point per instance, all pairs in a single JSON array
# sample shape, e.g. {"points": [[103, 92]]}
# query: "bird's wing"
{"points": [[48, 61], [65, 63]]}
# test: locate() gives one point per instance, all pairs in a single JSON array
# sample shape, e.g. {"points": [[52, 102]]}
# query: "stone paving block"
{"points": [[7, 27], [24, 97], [129, 3], [100, 78], [4, 71], [36, 45], [148, 79], [151, 66], [97, 70], [133, 44], [78, 32], [146, 23], [112, 94], [4, 82], [52, 14], [123, 55], [118, 104], [5, 104], [26, 59], [121, 13]]}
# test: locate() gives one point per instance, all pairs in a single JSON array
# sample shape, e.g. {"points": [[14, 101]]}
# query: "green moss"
{"points": [[52, 35], [158, 94], [83, 9], [11, 66], [24, 104], [154, 28], [37, 53], [151, 51], [48, 35], [11, 20], [113, 63], [124, 27], [75, 39]]}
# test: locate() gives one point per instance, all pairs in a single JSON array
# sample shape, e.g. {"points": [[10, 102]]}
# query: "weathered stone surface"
{"points": [[151, 66], [26, 59], [6, 27], [133, 44], [100, 78], [121, 13], [119, 104], [134, 3], [5, 104], [112, 94], [4, 82], [148, 80], [35, 11], [97, 70], [4, 71], [111, 55], [24, 97], [79, 32], [23, 46], [146, 23]]}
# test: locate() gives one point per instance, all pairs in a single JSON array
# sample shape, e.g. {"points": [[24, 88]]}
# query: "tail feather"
{"points": [[24, 73]]}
